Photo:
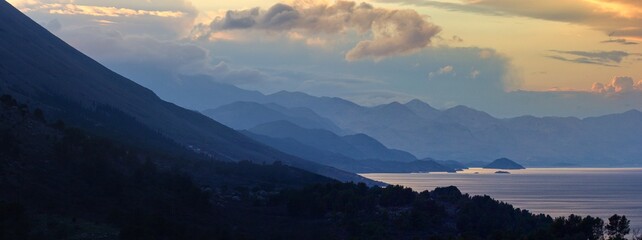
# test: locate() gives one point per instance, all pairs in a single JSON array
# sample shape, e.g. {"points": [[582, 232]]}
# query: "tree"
{"points": [[618, 227], [60, 125], [39, 115], [637, 235], [576, 227], [592, 228], [8, 100]]}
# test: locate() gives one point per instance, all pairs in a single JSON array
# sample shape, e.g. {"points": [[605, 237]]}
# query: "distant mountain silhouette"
{"points": [[396, 126], [245, 115], [358, 146], [292, 146], [504, 163], [459, 133], [375, 150], [422, 109], [466, 134], [38, 68], [200, 92]]}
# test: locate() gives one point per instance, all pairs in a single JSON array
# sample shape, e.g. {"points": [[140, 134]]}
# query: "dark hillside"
{"points": [[58, 182], [65, 174], [43, 71]]}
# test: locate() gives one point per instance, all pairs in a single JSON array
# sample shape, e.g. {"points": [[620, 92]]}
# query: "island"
{"points": [[504, 164]]}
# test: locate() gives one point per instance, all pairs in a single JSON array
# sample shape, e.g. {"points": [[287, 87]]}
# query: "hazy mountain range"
{"points": [[88, 154], [43, 70], [355, 153], [39, 69], [459, 133], [464, 134]]}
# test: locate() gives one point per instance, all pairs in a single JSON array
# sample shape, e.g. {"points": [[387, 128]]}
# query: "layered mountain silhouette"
{"points": [[468, 135], [41, 69], [296, 148], [38, 68], [245, 115], [358, 146], [86, 153], [355, 153]]}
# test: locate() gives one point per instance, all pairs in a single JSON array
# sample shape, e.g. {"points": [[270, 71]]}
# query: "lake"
{"points": [[598, 192]]}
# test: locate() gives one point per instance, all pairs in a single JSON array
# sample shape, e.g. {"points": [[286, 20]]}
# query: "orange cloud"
{"points": [[390, 32], [622, 18], [98, 11], [618, 85], [624, 9]]}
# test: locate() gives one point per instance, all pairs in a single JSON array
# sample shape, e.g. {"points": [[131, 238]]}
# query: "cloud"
{"points": [[448, 69], [387, 32], [98, 8], [474, 74], [622, 18], [618, 85], [487, 53], [144, 58], [459, 7], [72, 9], [604, 58], [165, 19], [620, 41]]}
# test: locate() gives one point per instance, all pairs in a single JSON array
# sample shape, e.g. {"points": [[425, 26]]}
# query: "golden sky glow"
{"points": [[394, 49], [528, 41], [524, 39], [620, 9]]}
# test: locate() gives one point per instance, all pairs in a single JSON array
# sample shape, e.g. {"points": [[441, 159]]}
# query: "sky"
{"points": [[544, 58]]}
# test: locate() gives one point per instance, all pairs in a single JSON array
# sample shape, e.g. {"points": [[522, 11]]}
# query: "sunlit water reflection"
{"points": [[555, 191]]}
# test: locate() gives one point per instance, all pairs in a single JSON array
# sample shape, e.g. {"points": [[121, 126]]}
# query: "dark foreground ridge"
{"points": [[58, 182]]}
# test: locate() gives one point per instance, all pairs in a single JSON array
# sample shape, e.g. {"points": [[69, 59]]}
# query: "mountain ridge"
{"points": [[44, 71], [359, 146], [467, 134]]}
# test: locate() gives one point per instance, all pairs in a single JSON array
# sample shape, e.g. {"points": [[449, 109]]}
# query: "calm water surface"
{"points": [[554, 191]]}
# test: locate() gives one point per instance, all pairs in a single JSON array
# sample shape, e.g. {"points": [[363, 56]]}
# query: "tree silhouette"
{"points": [[618, 227], [39, 115], [637, 235]]}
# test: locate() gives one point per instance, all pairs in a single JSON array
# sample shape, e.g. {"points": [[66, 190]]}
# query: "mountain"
{"points": [[465, 116], [38, 68], [465, 134], [396, 126], [504, 163], [375, 150], [107, 159], [459, 133], [199, 92], [422, 109], [245, 115], [58, 182], [295, 148], [358, 146]]}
